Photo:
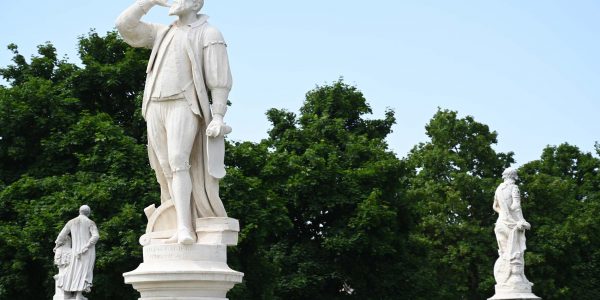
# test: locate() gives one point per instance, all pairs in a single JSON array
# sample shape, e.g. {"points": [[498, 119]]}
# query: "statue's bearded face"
{"points": [[180, 7]]}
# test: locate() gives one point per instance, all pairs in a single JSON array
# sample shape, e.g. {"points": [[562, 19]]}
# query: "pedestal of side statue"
{"points": [[514, 290], [511, 283], [186, 272], [515, 296]]}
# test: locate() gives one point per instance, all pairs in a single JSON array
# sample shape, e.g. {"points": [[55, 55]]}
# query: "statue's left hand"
{"points": [[217, 127], [83, 250], [523, 225]]}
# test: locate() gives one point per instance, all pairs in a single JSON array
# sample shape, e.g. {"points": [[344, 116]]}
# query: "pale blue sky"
{"points": [[528, 69]]}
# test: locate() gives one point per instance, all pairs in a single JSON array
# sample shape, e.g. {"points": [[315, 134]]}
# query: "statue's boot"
{"points": [[185, 237], [182, 192]]}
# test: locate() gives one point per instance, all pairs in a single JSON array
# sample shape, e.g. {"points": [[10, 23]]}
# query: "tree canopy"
{"points": [[326, 210]]}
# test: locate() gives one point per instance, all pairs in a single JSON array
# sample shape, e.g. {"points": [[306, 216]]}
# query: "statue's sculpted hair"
{"points": [[85, 210], [201, 5], [510, 173]]}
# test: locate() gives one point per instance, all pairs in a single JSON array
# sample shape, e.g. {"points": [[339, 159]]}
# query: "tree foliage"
{"points": [[326, 210], [319, 203], [339, 184], [562, 199], [456, 173], [64, 144]]}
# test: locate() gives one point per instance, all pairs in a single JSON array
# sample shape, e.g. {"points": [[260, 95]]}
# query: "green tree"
{"points": [[319, 200], [263, 219], [337, 194], [67, 140], [456, 173], [562, 203], [37, 105], [112, 80], [326, 210]]}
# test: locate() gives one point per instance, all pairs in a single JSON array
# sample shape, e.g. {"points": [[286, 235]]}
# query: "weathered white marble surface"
{"points": [[184, 104], [197, 271], [75, 254], [509, 269], [185, 100]]}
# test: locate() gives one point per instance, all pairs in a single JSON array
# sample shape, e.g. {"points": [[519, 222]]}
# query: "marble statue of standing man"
{"points": [[185, 99], [509, 270], [82, 234]]}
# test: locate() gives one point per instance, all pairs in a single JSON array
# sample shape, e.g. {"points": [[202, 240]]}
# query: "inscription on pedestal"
{"points": [[194, 252]]}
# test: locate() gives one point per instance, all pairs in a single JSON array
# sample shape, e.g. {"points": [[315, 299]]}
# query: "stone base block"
{"points": [[514, 291], [217, 231], [189, 272], [515, 296], [183, 280], [190, 285]]}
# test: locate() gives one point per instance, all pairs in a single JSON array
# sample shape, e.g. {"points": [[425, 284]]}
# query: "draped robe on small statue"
{"points": [[79, 273]]}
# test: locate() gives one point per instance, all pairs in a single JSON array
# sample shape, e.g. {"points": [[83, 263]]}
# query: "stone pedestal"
{"points": [[189, 272], [516, 296], [514, 291], [59, 294]]}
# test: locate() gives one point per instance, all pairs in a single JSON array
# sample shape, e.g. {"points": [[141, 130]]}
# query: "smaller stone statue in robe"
{"points": [[509, 270], [78, 271]]}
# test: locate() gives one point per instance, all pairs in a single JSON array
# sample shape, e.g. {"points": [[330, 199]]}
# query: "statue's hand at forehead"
{"points": [[164, 3]]}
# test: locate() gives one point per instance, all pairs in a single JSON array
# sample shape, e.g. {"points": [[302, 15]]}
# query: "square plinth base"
{"points": [[189, 272], [515, 296], [212, 283]]}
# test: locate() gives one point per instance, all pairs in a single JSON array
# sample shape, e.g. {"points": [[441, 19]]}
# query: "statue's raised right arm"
{"points": [[135, 32]]}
